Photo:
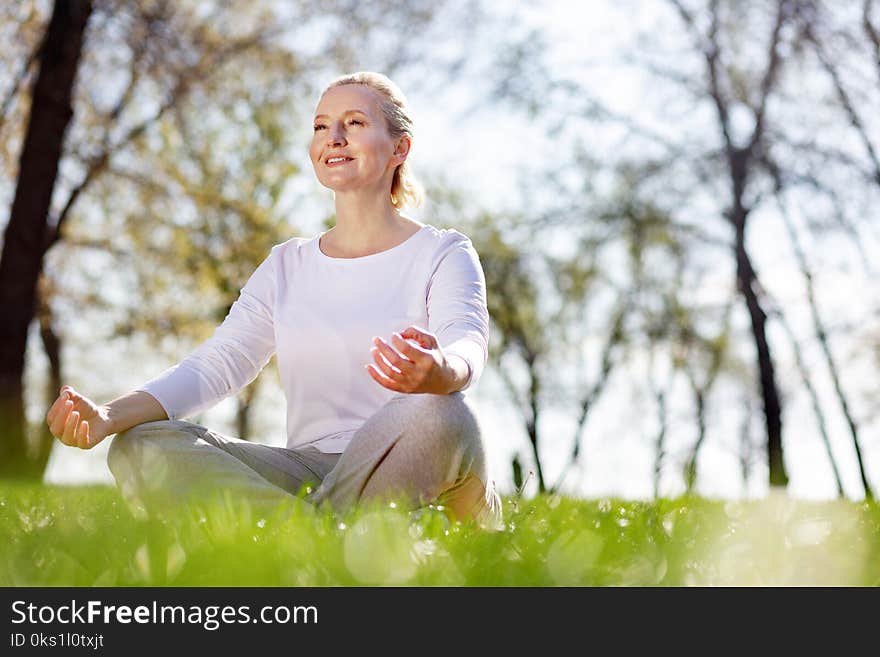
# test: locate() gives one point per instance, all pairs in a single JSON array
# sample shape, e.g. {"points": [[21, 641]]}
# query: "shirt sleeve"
{"points": [[230, 359], [457, 311]]}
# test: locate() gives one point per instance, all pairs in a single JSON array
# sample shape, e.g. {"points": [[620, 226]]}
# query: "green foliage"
{"points": [[86, 536]]}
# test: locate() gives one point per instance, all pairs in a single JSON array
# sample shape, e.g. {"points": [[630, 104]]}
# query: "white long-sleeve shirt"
{"points": [[319, 315]]}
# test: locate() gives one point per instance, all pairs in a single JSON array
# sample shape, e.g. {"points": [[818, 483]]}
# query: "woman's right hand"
{"points": [[77, 421]]}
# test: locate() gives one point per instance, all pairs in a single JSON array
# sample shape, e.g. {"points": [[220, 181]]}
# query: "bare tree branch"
{"points": [[710, 50], [18, 83], [821, 333], [712, 55], [201, 70], [871, 32], [814, 396], [770, 75], [845, 100], [789, 179]]}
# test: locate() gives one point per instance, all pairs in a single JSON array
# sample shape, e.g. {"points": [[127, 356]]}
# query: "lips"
{"points": [[337, 160]]}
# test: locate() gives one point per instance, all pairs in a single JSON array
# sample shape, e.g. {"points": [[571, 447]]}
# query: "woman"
{"points": [[379, 324]]}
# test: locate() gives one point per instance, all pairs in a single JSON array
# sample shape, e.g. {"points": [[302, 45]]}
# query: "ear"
{"points": [[402, 149]]}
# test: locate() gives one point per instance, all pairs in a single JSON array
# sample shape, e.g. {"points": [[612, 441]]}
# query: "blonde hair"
{"points": [[405, 189]]}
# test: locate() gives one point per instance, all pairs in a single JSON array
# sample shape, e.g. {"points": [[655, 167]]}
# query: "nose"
{"points": [[335, 136]]}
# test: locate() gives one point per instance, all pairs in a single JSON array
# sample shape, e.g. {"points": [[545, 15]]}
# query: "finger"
{"points": [[68, 435], [82, 434], [411, 351], [77, 397], [392, 355], [70, 428], [420, 335], [74, 396], [381, 380], [383, 365], [69, 393], [56, 407], [60, 420]]}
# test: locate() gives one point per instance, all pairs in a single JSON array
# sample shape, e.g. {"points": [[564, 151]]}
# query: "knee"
{"points": [[449, 410], [448, 419], [136, 449]]}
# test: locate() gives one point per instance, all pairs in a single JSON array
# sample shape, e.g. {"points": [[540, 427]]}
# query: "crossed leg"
{"points": [[417, 448]]}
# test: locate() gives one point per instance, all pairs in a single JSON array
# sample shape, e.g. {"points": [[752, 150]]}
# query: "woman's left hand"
{"points": [[417, 364]]}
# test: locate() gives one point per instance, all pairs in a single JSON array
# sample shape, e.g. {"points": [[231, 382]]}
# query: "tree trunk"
{"points": [[52, 348], [660, 442], [745, 444], [23, 246], [690, 470], [243, 413], [748, 285], [834, 370], [615, 336], [532, 422], [814, 400]]}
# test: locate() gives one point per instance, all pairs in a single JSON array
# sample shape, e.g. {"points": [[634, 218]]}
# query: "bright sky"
{"points": [[486, 152]]}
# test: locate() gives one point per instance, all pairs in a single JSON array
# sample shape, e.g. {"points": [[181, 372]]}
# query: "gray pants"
{"points": [[417, 449]]}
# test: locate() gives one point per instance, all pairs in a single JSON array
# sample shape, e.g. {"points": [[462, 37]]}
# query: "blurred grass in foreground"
{"points": [[86, 536]]}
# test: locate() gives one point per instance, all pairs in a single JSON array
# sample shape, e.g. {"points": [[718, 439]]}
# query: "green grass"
{"points": [[86, 536]]}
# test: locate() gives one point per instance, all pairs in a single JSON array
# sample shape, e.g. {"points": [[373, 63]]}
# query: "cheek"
{"points": [[379, 149]]}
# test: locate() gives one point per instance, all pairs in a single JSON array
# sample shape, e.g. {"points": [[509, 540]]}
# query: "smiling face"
{"points": [[351, 148]]}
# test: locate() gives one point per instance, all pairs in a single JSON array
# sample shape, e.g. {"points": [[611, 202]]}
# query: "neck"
{"points": [[365, 220]]}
